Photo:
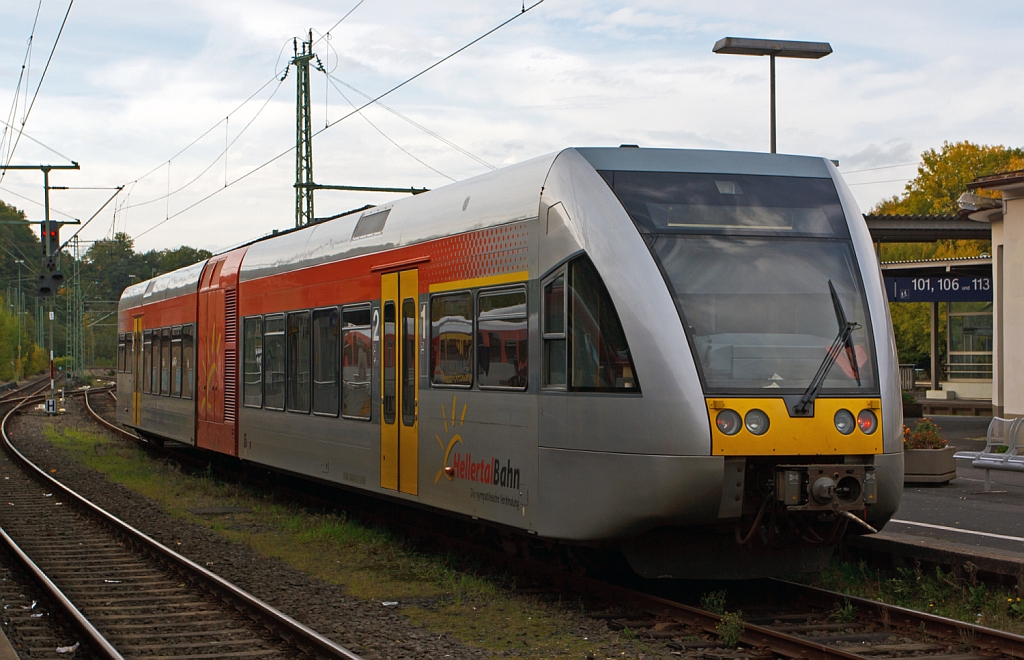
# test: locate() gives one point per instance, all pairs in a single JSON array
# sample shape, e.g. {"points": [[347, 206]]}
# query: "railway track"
{"points": [[126, 594], [778, 619]]}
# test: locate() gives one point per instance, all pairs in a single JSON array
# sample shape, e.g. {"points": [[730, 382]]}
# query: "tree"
{"points": [[941, 178]]}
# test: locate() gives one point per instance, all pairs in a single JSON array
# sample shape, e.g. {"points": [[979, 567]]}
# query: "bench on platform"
{"points": [[1002, 447]]}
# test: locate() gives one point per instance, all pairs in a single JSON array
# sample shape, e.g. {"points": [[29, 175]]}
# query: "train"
{"points": [[683, 356]]}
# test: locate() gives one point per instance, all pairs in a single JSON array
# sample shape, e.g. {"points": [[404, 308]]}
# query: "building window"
{"points": [[273, 362], [325, 362], [501, 330], [188, 354], [970, 338], [252, 362], [357, 362], [451, 340], [298, 362]]}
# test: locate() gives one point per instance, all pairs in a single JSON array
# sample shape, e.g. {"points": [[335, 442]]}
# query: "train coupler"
{"points": [[825, 487]]}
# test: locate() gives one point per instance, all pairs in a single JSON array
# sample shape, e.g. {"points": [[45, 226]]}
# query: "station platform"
{"points": [[959, 522]]}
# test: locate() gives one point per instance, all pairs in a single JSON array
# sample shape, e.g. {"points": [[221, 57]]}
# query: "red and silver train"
{"points": [[682, 354]]}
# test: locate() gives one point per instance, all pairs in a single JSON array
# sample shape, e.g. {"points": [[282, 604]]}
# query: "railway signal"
{"points": [[49, 233]]}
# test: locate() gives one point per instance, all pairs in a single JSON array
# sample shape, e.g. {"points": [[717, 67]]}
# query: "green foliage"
{"points": [[730, 628], [1015, 608], [844, 613], [926, 434], [908, 397], [941, 178], [714, 602], [977, 595]]}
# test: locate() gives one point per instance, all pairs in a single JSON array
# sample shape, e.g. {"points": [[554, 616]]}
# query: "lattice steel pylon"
{"points": [[303, 134]]}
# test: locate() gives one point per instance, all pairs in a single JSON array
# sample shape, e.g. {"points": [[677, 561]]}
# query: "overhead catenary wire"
{"points": [[290, 149], [223, 154], [881, 167], [25, 64], [868, 183], [388, 138], [35, 95], [426, 130]]}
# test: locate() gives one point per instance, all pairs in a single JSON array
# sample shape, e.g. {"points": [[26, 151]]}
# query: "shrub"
{"points": [[925, 435]]}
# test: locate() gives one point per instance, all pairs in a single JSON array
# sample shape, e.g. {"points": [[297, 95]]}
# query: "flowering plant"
{"points": [[925, 435]]}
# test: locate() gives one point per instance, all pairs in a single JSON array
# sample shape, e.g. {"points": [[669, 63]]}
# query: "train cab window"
{"points": [[501, 345], [390, 362], [591, 353], [165, 361], [451, 340], [147, 361], [325, 362], [298, 362], [408, 362], [176, 361], [273, 362], [188, 353], [252, 362], [356, 362], [554, 331]]}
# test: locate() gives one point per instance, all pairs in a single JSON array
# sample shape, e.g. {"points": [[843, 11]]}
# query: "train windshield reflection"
{"points": [[759, 312]]}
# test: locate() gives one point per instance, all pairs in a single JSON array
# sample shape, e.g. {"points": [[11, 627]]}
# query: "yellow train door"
{"points": [[137, 370], [399, 413]]}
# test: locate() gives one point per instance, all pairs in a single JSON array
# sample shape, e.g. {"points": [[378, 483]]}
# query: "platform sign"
{"points": [[942, 288]]}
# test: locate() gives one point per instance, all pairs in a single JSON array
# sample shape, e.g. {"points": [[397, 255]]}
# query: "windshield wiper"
{"points": [[843, 341]]}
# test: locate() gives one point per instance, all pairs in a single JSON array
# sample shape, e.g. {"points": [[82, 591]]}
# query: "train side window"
{"points": [[554, 331], [325, 362], [147, 361], [356, 362], [408, 362], [165, 361], [188, 352], [252, 376], [298, 362], [501, 331], [390, 363], [600, 359], [176, 361], [120, 352], [451, 340], [273, 362], [129, 351]]}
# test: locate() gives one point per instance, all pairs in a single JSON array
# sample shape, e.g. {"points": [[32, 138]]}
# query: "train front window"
{"points": [[759, 312]]}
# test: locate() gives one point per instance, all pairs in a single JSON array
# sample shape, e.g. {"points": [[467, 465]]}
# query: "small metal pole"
{"points": [[772, 58]]}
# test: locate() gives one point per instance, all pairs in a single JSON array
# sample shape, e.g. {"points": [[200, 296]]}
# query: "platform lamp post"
{"points": [[807, 50]]}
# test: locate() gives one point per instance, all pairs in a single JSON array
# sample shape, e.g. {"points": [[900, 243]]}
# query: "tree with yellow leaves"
{"points": [[941, 178]]}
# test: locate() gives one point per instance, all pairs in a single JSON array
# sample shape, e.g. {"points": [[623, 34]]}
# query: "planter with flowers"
{"points": [[926, 457]]}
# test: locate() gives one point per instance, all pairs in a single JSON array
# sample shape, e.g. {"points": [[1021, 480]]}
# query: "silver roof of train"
{"points": [[701, 160], [506, 195]]}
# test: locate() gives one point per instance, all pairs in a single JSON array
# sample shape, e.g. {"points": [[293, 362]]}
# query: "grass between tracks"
{"points": [[941, 593], [481, 611]]}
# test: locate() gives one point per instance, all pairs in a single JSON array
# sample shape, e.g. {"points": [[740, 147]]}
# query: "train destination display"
{"points": [[942, 288]]}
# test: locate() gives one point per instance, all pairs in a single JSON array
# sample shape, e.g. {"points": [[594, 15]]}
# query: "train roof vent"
{"points": [[370, 223]]}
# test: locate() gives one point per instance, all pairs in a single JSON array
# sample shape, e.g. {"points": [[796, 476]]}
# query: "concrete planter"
{"points": [[913, 410], [928, 466]]}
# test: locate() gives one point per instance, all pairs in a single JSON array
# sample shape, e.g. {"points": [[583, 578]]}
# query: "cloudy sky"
{"points": [[147, 94]]}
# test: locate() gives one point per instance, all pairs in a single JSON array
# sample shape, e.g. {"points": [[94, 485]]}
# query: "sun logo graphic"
{"points": [[447, 471]]}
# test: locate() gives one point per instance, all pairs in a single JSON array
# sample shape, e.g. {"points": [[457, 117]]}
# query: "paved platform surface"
{"points": [[962, 513]]}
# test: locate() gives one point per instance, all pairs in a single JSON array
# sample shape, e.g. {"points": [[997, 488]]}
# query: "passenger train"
{"points": [[683, 355]]}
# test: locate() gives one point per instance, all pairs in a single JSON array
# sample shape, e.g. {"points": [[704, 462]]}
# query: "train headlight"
{"points": [[728, 422], [844, 421], [867, 421], [756, 422]]}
